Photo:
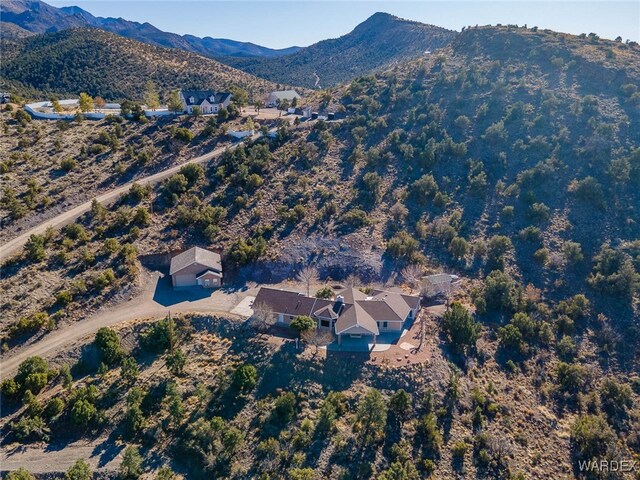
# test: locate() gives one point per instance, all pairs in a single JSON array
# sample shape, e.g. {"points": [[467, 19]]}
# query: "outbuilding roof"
{"points": [[285, 94], [195, 255]]}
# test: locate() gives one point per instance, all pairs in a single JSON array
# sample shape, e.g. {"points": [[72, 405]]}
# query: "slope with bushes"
{"points": [[116, 68]]}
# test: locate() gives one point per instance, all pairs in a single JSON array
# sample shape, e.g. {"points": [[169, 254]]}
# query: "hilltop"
{"points": [[114, 67], [36, 16], [378, 42]]}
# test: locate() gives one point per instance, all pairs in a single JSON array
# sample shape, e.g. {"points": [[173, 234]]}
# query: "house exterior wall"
{"points": [[285, 318], [187, 277], [392, 325], [184, 279], [209, 281]]}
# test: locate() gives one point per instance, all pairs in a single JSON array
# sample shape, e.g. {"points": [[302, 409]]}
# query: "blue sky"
{"points": [[277, 24]]}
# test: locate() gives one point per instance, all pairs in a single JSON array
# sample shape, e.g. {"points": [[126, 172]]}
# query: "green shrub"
{"points": [[325, 292], [428, 433], [83, 413], [572, 252], [108, 343], [34, 248], [371, 418], [183, 134], [35, 367], [589, 190], [245, 377], [592, 438], [403, 245], [354, 219], [79, 471], [19, 474], [284, 407], [131, 465], [76, 232], [67, 164], [460, 328], [54, 407], [614, 273], [302, 323], [497, 247]]}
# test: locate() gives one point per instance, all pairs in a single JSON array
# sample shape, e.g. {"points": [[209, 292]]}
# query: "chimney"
{"points": [[337, 305]]}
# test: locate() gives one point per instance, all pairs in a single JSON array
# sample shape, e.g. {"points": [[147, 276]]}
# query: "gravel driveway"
{"points": [[156, 300]]}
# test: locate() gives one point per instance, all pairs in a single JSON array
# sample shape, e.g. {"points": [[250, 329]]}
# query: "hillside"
{"points": [[116, 68], [38, 17], [378, 42], [511, 158]]}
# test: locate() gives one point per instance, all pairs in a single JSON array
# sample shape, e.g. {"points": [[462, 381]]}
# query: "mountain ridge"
{"points": [[38, 17], [115, 67], [376, 43]]}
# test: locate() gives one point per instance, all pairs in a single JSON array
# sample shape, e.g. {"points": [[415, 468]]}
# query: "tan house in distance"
{"points": [[196, 267]]}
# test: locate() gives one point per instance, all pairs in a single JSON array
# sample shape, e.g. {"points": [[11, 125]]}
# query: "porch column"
{"points": [[375, 339], [339, 339]]}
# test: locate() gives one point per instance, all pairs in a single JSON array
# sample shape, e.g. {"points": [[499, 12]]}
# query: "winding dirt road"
{"points": [[13, 246], [155, 301]]}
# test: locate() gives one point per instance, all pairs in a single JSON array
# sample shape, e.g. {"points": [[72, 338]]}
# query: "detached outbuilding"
{"points": [[196, 267], [275, 98]]}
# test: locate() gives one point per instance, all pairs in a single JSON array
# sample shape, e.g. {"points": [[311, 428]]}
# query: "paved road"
{"points": [[155, 301], [13, 246]]}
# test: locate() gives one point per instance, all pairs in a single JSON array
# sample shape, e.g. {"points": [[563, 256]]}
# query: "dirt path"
{"points": [[155, 301], [101, 456], [13, 246]]}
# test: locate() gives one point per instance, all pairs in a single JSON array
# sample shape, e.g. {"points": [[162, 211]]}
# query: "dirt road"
{"points": [[13, 246], [155, 301], [100, 454]]}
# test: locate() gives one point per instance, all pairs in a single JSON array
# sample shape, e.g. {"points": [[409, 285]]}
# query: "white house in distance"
{"points": [[274, 98], [352, 313], [196, 267], [207, 100]]}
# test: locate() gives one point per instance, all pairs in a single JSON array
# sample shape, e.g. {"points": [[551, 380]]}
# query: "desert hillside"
{"points": [[510, 157]]}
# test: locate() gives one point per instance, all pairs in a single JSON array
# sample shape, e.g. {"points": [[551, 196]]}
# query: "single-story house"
{"points": [[196, 267], [274, 98], [351, 313], [207, 100]]}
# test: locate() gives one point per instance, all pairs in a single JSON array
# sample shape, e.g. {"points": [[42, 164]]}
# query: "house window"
{"points": [[192, 100], [385, 324], [325, 323], [291, 317]]}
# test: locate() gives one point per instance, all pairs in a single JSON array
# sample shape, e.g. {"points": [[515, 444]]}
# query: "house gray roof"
{"points": [[209, 260], [288, 302], [222, 97], [200, 96], [210, 272], [356, 316]]}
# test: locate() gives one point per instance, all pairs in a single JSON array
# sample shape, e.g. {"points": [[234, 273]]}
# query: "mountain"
{"points": [[378, 42], [109, 65], [38, 17], [11, 31], [510, 158]]}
